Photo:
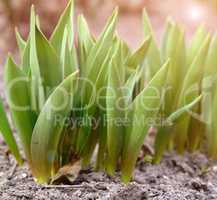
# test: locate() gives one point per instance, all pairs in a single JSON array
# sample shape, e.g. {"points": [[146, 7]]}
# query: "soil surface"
{"points": [[176, 178]]}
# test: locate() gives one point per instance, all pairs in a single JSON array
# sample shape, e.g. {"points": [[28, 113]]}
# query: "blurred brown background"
{"points": [[191, 13]]}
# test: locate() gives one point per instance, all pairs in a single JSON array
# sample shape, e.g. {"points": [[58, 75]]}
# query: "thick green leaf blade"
{"points": [[190, 90], [83, 137], [25, 62], [7, 134], [125, 50], [66, 21], [102, 77], [209, 79], [197, 127], [90, 147], [162, 140], [115, 111], [139, 117], [37, 90], [102, 142], [20, 42], [100, 49], [68, 57], [153, 55], [138, 57], [212, 129], [131, 83], [175, 51], [101, 83], [178, 114], [196, 70], [47, 132], [209, 90], [198, 39], [17, 89], [85, 42], [163, 136], [49, 63], [169, 25], [37, 22], [97, 57]]}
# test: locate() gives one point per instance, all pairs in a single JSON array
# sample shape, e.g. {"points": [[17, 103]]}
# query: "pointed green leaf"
{"points": [[49, 127], [169, 25], [209, 79], [131, 83], [97, 56], [162, 140], [175, 50], [198, 39], [125, 50], [85, 42], [7, 134], [37, 22], [190, 90], [138, 57], [115, 107], [89, 148], [212, 129], [100, 49], [144, 108], [49, 63], [66, 20], [37, 91], [153, 55], [177, 114], [17, 88], [25, 63], [83, 132], [20, 42], [209, 91], [101, 154]]}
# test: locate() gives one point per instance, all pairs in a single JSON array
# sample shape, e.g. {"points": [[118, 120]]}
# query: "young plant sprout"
{"points": [[68, 100]]}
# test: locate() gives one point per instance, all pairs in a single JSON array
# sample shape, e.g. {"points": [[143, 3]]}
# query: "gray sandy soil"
{"points": [[176, 178]]}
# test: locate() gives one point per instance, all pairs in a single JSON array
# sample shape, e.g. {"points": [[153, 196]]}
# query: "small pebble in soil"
{"points": [[198, 185]]}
